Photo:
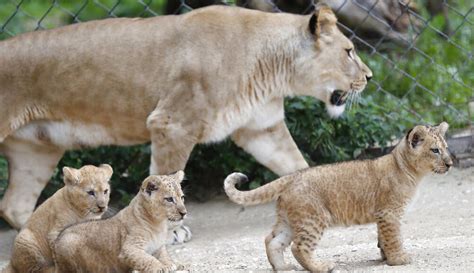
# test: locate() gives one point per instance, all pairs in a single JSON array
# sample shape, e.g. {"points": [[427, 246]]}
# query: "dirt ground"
{"points": [[438, 232]]}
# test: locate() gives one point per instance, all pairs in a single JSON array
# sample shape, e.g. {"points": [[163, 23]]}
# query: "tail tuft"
{"points": [[263, 194], [235, 179]]}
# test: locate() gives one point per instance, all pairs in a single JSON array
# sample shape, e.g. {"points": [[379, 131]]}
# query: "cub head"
{"points": [[163, 196], [328, 66], [88, 189], [427, 150]]}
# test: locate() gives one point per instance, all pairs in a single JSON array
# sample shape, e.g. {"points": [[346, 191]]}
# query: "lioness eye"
{"points": [[169, 199], [91, 193], [348, 50], [436, 151]]}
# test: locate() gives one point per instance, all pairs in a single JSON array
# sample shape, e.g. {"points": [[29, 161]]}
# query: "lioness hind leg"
{"points": [[275, 244], [30, 167]]}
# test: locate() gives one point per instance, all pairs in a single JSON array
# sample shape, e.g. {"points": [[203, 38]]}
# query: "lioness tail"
{"points": [[264, 194]]}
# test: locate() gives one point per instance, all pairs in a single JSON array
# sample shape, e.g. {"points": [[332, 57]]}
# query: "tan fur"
{"points": [[356, 192], [175, 80], [71, 204], [134, 239]]}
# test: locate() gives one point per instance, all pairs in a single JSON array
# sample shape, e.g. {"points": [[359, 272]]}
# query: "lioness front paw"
{"points": [[179, 235], [401, 259], [182, 267]]}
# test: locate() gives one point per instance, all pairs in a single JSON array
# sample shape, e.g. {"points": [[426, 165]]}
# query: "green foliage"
{"points": [[398, 97]]}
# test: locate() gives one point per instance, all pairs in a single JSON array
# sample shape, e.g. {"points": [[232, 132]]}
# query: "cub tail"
{"points": [[261, 195]]}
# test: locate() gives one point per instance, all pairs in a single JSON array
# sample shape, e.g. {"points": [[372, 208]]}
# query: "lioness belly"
{"points": [[71, 135]]}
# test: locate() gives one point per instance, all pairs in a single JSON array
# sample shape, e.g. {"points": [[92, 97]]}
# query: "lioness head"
{"points": [[163, 196], [427, 149], [88, 189], [328, 67]]}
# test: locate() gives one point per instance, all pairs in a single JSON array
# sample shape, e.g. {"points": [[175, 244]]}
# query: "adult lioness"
{"points": [[174, 80]]}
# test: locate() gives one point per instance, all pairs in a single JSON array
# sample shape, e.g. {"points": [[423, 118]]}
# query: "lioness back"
{"points": [[84, 196], [133, 239], [57, 66]]}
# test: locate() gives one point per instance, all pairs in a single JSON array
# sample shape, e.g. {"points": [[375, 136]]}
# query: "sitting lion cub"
{"points": [[84, 196], [356, 192], [133, 239]]}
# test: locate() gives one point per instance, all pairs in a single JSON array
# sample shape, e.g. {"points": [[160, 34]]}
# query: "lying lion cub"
{"points": [[356, 192], [84, 196], [134, 239]]}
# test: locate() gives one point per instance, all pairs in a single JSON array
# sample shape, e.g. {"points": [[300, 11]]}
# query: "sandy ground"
{"points": [[438, 232]]}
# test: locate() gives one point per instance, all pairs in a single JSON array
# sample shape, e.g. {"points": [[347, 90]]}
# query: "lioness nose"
{"points": [[101, 208], [368, 78], [448, 164]]}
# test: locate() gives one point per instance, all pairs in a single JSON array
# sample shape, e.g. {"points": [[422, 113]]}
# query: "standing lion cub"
{"points": [[356, 192], [133, 239], [84, 196]]}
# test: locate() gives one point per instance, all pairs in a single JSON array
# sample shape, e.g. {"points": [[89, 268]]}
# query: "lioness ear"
{"points": [[150, 184], [71, 175], [416, 136], [108, 170], [442, 128], [323, 20]]}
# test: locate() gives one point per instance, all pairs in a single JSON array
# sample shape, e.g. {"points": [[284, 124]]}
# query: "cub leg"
{"points": [[163, 256], [27, 255], [30, 166], [388, 227], [307, 234], [133, 254], [273, 147], [276, 243], [379, 245]]}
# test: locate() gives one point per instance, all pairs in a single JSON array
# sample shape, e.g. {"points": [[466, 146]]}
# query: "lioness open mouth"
{"points": [[338, 97]]}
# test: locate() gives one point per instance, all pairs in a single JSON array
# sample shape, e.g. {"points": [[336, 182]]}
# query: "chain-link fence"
{"points": [[420, 51]]}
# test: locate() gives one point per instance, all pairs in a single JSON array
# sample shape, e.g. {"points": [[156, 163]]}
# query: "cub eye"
{"points": [[106, 191], [436, 151], [169, 199], [91, 193]]}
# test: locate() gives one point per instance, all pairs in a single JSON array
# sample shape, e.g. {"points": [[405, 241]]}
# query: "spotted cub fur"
{"points": [[356, 192], [133, 239]]}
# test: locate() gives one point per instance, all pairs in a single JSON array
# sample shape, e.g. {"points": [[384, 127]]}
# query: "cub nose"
{"points": [[182, 213], [448, 164], [101, 208], [368, 78]]}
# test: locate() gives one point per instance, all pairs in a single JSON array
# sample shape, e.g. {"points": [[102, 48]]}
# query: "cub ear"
{"points": [[150, 185], [179, 175], [416, 136], [442, 128], [323, 20], [71, 176], [108, 170]]}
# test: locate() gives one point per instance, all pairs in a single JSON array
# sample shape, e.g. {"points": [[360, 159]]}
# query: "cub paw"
{"points": [[328, 266], [401, 259], [287, 267], [167, 268]]}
